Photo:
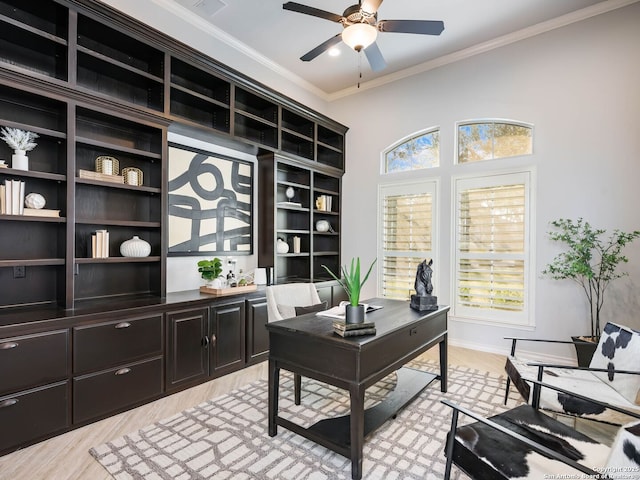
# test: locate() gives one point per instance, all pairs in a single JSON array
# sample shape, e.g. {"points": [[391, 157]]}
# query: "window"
{"points": [[407, 217], [492, 231], [418, 152], [493, 139]]}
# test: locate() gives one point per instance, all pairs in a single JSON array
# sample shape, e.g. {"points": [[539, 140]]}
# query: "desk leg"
{"points": [[274, 380], [356, 393], [297, 388], [443, 364]]}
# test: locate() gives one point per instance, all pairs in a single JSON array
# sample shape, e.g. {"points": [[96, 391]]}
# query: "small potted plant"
{"points": [[592, 262], [22, 142], [210, 270], [350, 281]]}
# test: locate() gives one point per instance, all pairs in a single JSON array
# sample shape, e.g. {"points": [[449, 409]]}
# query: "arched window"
{"points": [[490, 139], [418, 152]]}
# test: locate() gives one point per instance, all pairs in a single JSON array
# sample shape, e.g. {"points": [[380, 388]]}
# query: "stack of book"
{"points": [[100, 244], [354, 329], [12, 197]]}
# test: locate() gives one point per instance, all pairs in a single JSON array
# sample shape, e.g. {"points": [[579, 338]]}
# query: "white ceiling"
{"points": [[279, 38]]}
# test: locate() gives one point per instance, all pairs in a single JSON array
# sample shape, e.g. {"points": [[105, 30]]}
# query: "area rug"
{"points": [[226, 437]]}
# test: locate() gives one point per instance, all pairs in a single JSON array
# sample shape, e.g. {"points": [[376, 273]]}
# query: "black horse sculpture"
{"points": [[423, 283]]}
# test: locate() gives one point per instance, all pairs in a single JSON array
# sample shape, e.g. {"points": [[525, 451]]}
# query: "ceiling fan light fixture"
{"points": [[359, 35]]}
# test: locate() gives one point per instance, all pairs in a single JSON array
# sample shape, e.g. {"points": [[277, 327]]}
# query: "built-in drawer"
{"points": [[32, 415], [101, 393], [33, 360], [104, 345]]}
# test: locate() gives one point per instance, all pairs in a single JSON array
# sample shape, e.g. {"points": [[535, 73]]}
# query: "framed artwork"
{"points": [[210, 203]]}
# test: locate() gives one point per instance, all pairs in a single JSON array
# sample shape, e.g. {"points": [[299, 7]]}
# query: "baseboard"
{"points": [[522, 352]]}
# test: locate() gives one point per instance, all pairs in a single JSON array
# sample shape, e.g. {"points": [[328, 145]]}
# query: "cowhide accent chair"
{"points": [[613, 377], [526, 443]]}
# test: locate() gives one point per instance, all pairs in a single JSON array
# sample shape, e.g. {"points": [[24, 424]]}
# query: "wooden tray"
{"points": [[221, 292]]}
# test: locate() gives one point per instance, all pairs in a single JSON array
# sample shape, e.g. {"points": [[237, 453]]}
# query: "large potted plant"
{"points": [[350, 281], [591, 260]]}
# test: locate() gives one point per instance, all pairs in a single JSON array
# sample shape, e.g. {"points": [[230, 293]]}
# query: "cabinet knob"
{"points": [[8, 402], [123, 325], [213, 339], [123, 371], [8, 345]]}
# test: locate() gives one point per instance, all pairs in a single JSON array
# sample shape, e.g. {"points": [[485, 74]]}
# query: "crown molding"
{"points": [[525, 33]]}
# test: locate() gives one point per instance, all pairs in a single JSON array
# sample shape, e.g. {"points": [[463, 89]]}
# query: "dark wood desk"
{"points": [[306, 345]]}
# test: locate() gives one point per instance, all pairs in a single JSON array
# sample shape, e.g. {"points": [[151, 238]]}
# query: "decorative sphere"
{"points": [[34, 200], [290, 193], [322, 226]]}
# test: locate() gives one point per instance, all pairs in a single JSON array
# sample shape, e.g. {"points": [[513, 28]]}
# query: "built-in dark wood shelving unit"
{"points": [[93, 82]]}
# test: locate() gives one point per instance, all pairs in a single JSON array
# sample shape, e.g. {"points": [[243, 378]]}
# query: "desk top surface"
{"points": [[394, 315]]}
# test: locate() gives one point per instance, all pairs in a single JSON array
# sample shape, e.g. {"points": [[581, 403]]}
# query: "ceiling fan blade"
{"points": [[315, 12], [375, 58], [370, 6], [323, 47], [424, 27]]}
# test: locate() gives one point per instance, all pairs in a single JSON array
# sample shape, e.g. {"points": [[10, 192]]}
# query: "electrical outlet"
{"points": [[19, 271]]}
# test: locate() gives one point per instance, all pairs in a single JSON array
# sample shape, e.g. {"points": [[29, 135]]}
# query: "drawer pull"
{"points": [[123, 325], [8, 345], [123, 371], [8, 402]]}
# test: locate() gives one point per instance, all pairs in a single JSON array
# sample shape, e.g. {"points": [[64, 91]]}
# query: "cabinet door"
{"points": [[227, 337], [257, 335], [187, 359]]}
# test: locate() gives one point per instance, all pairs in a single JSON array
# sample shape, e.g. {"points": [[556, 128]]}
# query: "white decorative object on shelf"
{"points": [[34, 200], [135, 247], [282, 246], [323, 226], [21, 141], [290, 193], [19, 160]]}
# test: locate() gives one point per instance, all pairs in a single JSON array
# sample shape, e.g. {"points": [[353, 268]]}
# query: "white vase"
{"points": [[19, 160], [135, 247], [282, 246]]}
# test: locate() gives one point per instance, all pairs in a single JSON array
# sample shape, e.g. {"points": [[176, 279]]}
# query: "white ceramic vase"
{"points": [[19, 160], [282, 246], [135, 247]]}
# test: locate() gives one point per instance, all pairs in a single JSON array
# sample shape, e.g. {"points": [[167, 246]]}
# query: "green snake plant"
{"points": [[350, 280]]}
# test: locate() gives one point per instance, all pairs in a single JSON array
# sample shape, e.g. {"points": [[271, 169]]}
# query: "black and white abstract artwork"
{"points": [[210, 203]]}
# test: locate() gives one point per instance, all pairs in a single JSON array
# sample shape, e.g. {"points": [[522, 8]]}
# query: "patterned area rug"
{"points": [[226, 438]]}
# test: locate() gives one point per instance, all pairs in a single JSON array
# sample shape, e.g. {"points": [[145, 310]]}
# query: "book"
{"points": [[21, 186], [7, 197], [100, 244], [3, 208], [41, 212], [352, 326], [16, 189], [338, 312], [104, 177], [355, 333]]}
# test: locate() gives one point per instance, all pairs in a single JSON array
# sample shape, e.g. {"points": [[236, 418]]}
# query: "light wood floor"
{"points": [[67, 456]]}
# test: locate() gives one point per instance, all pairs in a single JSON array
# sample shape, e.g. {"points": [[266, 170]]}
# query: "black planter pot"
{"points": [[354, 314], [584, 350]]}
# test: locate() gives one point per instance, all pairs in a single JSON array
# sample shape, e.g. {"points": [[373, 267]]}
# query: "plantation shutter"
{"points": [[491, 239], [406, 236]]}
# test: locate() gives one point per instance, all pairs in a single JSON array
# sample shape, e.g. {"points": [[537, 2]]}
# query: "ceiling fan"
{"points": [[360, 29]]}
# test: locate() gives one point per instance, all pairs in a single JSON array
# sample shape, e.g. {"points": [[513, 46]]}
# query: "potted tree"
{"points": [[210, 270], [350, 281], [591, 260]]}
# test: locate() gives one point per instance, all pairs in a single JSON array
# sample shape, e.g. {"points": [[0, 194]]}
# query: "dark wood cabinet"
{"points": [[187, 352], [98, 394], [227, 337], [257, 345]]}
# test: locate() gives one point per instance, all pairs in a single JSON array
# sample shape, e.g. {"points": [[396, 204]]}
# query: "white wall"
{"points": [[580, 87]]}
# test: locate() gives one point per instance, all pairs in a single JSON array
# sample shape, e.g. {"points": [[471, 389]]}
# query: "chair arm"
{"points": [[534, 445], [587, 369], [515, 339], [536, 398]]}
